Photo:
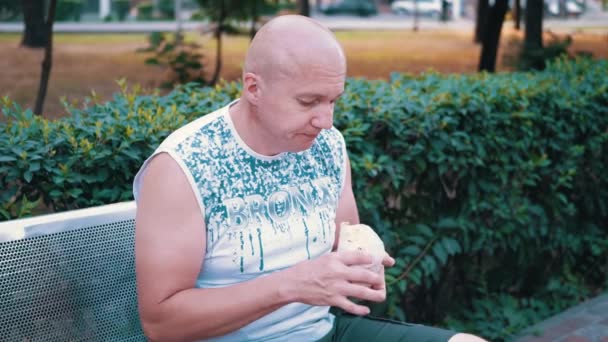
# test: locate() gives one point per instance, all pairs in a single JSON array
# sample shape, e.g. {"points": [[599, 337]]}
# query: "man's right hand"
{"points": [[332, 278]]}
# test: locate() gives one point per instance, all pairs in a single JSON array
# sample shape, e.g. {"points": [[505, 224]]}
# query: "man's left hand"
{"points": [[388, 261]]}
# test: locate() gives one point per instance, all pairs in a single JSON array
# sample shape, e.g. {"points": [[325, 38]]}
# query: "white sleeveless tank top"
{"points": [[263, 214]]}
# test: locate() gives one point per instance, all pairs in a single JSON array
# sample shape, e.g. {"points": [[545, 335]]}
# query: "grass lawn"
{"points": [[86, 62]]}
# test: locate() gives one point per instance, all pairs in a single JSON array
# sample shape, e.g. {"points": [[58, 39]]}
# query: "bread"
{"points": [[361, 237]]}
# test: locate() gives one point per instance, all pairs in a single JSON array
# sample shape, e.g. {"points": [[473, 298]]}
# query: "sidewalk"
{"points": [[586, 322]]}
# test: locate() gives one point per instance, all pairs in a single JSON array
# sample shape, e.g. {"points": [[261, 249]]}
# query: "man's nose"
{"points": [[324, 117]]}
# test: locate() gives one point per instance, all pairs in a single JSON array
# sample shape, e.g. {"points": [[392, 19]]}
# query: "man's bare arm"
{"points": [[347, 205], [347, 212], [170, 247]]}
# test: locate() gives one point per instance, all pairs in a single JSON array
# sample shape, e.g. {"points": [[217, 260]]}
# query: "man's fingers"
{"points": [[388, 261], [350, 307], [359, 274], [364, 292], [362, 258], [350, 258], [379, 286]]}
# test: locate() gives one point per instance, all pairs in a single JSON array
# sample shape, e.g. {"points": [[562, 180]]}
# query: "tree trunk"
{"points": [[562, 9], [34, 34], [533, 36], [218, 61], [218, 40], [481, 20], [416, 16], [534, 24], [491, 36], [517, 14], [444, 11], [304, 7], [179, 34], [254, 19], [48, 59]]}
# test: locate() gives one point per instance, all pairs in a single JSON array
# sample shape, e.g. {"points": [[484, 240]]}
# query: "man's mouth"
{"points": [[310, 135]]}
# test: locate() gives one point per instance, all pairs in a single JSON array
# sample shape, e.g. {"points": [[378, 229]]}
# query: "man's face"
{"points": [[295, 109]]}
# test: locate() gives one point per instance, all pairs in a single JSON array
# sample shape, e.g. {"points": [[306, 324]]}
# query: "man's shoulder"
{"points": [[192, 128], [332, 136]]}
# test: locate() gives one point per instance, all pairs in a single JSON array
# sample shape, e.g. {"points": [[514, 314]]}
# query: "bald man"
{"points": [[236, 230]]}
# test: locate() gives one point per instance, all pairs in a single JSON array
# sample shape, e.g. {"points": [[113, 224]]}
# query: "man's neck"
{"points": [[250, 130]]}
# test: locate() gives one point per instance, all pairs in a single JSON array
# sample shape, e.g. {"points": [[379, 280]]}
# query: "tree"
{"points": [[445, 11], [517, 14], [481, 19], [47, 62], [416, 17], [10, 10], [225, 15], [185, 59], [304, 7], [34, 34], [491, 35], [533, 35], [219, 12], [254, 19]]}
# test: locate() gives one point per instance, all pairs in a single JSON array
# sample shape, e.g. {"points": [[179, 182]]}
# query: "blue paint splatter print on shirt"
{"points": [[262, 214]]}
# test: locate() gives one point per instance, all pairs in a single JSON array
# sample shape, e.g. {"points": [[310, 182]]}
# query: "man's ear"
{"points": [[251, 88]]}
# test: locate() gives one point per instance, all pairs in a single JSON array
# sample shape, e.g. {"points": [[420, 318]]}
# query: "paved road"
{"points": [[596, 21]]}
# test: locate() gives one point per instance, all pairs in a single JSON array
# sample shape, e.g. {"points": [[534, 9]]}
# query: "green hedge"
{"points": [[68, 10], [490, 190], [121, 8], [91, 157], [144, 11], [11, 10]]}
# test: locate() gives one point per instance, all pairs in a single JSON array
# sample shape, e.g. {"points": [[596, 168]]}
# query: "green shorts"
{"points": [[350, 328]]}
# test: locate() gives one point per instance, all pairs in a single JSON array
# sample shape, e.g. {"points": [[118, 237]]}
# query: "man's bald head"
{"points": [[290, 44]]}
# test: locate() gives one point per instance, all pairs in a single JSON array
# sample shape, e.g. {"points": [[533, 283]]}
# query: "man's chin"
{"points": [[302, 142], [301, 147]]}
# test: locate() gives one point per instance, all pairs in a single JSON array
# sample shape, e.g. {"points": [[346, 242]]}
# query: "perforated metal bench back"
{"points": [[69, 279]]}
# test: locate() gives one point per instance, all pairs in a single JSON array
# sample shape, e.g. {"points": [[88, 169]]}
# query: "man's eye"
{"points": [[308, 102]]}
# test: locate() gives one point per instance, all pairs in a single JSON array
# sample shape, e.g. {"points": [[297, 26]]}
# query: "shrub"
{"points": [[144, 11], [167, 9], [122, 8], [182, 58], [68, 10], [488, 189], [519, 58], [10, 10], [484, 184], [90, 158]]}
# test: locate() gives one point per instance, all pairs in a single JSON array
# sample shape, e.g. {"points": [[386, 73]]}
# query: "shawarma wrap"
{"points": [[361, 237]]}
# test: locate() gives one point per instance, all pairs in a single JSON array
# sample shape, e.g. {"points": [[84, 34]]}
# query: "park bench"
{"points": [[70, 276]]}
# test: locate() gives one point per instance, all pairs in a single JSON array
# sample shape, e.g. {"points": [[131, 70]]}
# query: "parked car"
{"points": [[425, 7], [362, 8], [572, 8]]}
